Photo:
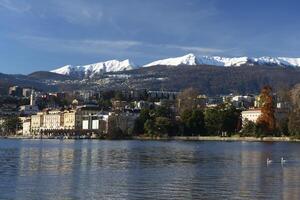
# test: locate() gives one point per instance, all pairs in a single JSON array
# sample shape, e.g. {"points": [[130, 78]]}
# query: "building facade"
{"points": [[251, 115]]}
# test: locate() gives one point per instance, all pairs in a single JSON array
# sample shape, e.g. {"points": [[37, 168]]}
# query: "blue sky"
{"points": [[42, 35]]}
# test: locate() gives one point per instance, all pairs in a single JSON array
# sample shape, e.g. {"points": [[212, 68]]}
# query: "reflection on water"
{"points": [[86, 169]]}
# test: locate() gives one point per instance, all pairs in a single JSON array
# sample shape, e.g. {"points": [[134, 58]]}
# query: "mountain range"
{"points": [[91, 70], [210, 75], [191, 59], [95, 69]]}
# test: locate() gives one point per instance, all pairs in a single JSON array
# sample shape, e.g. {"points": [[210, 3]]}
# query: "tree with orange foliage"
{"points": [[267, 118]]}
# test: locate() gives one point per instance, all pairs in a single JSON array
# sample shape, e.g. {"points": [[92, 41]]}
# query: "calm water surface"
{"points": [[90, 169]]}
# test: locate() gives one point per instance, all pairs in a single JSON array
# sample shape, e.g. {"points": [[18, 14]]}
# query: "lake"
{"points": [[94, 169]]}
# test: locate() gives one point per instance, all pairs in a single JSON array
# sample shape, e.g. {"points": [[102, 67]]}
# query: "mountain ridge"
{"points": [[191, 59], [91, 70], [100, 68]]}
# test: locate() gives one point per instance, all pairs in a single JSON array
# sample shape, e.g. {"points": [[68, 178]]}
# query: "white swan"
{"points": [[269, 161]]}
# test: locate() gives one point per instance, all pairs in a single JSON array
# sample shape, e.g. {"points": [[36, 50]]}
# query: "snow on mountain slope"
{"points": [[95, 69], [282, 61], [222, 61], [189, 59]]}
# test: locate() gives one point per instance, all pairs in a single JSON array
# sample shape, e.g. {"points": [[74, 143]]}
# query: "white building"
{"points": [[251, 115], [27, 128]]}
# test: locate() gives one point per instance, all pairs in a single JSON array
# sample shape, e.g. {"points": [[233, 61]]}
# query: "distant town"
{"points": [[26, 112]]}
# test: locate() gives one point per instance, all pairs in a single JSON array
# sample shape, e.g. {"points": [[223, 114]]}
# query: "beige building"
{"points": [[251, 115], [53, 120], [37, 121], [72, 120]]}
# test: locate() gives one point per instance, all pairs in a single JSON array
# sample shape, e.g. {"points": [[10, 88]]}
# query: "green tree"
{"points": [[294, 123], [140, 122], [11, 125], [163, 111], [115, 134], [222, 119], [249, 129], [149, 127], [193, 122], [213, 121], [163, 126], [231, 120]]}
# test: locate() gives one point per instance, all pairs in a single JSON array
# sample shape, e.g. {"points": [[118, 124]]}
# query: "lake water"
{"points": [[92, 169]]}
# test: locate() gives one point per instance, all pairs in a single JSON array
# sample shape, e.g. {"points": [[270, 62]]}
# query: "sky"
{"points": [[40, 35]]}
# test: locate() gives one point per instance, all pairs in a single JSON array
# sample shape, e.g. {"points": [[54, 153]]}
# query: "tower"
{"points": [[32, 98]]}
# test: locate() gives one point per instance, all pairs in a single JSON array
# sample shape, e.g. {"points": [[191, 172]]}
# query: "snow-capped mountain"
{"points": [[95, 69], [191, 59]]}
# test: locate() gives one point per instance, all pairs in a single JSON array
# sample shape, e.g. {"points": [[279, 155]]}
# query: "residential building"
{"points": [[37, 122], [72, 120], [251, 115], [53, 120], [26, 127], [163, 95], [243, 101], [15, 91], [26, 92]]}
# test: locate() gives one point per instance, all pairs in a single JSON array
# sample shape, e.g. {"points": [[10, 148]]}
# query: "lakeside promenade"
{"points": [[178, 138]]}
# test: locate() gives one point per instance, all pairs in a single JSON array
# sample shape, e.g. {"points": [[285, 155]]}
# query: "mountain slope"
{"points": [[189, 59], [192, 60], [89, 71], [211, 80], [43, 75]]}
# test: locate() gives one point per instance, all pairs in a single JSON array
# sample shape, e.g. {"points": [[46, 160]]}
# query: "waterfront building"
{"points": [[251, 115], [37, 122], [53, 120], [108, 122], [26, 127], [96, 122], [72, 120]]}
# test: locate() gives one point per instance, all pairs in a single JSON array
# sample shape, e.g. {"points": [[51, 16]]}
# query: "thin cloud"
{"points": [[86, 46], [112, 48], [15, 6], [77, 11], [198, 50]]}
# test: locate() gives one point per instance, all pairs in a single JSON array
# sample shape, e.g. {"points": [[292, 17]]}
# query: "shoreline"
{"points": [[174, 138], [225, 139]]}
